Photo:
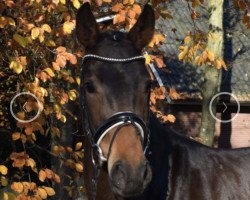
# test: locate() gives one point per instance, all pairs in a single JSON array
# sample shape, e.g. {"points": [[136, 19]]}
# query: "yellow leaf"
{"points": [[55, 1], [16, 67], [76, 3], [46, 28], [41, 38], [3, 22], [78, 146], [22, 41], [30, 163], [3, 170], [9, 196], [5, 196], [183, 53], [78, 80], [210, 55], [50, 191], [63, 1], [63, 118], [68, 27], [147, 59], [50, 43], [187, 39], [16, 136], [4, 181], [35, 32], [49, 72], [11, 22], [158, 37], [79, 167], [72, 95], [42, 193], [131, 2]]}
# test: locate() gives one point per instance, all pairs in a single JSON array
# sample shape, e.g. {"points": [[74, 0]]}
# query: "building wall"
{"points": [[235, 134]]}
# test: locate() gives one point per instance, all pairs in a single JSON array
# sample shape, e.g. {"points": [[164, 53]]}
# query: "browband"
{"points": [[116, 60]]}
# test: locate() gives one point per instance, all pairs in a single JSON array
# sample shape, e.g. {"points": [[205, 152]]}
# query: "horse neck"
{"points": [[161, 135]]}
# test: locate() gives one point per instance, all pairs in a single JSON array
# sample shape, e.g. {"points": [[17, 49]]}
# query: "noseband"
{"points": [[115, 121]]}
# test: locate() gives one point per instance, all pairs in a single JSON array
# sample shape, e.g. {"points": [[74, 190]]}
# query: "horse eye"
{"points": [[89, 86]]}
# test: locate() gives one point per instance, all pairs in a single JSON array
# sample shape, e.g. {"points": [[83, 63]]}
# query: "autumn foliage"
{"points": [[39, 55]]}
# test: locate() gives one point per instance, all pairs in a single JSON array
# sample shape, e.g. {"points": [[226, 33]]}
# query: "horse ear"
{"points": [[86, 27], [143, 31]]}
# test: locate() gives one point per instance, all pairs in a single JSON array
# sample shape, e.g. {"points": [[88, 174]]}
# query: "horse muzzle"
{"points": [[129, 181]]}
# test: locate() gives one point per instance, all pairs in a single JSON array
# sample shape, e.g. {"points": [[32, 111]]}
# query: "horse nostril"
{"points": [[118, 175]]}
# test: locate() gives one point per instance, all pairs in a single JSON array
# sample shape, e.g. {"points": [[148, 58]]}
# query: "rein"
{"points": [[118, 120]]}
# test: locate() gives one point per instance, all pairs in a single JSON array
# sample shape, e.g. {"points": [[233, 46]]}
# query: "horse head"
{"points": [[115, 88]]}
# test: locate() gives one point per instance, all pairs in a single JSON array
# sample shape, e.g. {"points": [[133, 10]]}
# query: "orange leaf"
{"points": [[210, 55], [19, 159], [173, 94], [17, 186], [49, 173], [57, 178], [72, 59], [56, 67], [79, 167], [42, 193], [131, 2], [159, 62], [61, 60], [16, 136], [50, 191], [60, 49], [131, 14], [171, 118], [137, 9], [42, 175], [28, 130], [119, 18], [30, 163], [117, 7], [78, 146]]}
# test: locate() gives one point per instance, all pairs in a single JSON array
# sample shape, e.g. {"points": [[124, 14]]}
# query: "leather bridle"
{"points": [[117, 121]]}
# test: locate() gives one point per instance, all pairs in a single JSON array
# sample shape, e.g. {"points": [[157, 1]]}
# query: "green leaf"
{"points": [[22, 41]]}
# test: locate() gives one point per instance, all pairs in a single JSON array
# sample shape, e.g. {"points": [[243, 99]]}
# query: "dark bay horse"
{"points": [[128, 153]]}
